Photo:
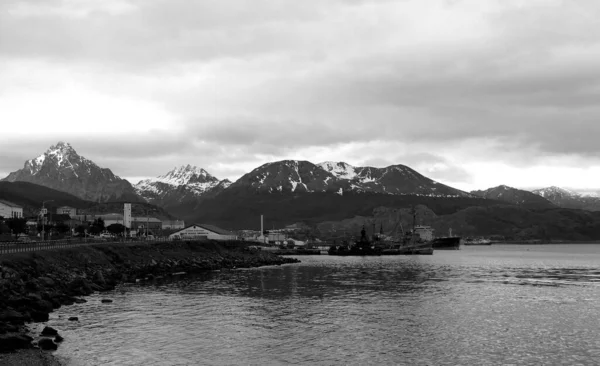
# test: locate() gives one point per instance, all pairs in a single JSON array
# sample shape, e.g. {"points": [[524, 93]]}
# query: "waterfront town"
{"points": [[67, 222]]}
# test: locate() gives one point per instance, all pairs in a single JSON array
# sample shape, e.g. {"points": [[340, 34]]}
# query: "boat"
{"points": [[363, 247], [447, 242], [412, 242], [477, 241]]}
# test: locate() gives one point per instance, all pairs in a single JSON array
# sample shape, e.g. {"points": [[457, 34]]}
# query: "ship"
{"points": [[479, 241], [363, 247], [446, 242]]}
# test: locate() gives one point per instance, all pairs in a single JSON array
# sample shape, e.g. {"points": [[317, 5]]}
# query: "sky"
{"points": [[473, 94]]}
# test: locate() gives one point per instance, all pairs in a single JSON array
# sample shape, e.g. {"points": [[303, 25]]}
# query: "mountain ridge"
{"points": [[63, 169], [515, 196]]}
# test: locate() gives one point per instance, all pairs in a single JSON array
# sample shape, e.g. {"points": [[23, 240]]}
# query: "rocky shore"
{"points": [[34, 284]]}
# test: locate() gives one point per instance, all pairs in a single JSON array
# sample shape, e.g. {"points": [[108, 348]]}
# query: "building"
{"points": [[203, 231], [143, 222], [66, 210], [9, 209], [173, 224], [275, 238]]}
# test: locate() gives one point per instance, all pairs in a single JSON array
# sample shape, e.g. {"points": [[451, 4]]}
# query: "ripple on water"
{"points": [[474, 307]]}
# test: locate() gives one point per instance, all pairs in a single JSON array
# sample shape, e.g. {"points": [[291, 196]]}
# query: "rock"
{"points": [[46, 281], [12, 316], [47, 344], [58, 338], [10, 343], [49, 331], [39, 316], [105, 301], [99, 278], [73, 319]]}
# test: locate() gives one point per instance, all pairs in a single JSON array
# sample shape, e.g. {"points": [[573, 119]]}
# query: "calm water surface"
{"points": [[504, 304]]}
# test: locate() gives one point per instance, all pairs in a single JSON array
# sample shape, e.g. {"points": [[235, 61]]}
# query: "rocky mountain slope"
{"points": [[293, 176], [180, 186], [515, 196], [61, 168], [568, 199]]}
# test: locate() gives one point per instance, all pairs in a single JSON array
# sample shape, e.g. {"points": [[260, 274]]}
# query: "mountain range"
{"points": [[291, 191]]}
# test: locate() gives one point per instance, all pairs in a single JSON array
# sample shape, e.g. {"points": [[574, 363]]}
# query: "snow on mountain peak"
{"points": [[339, 169], [554, 190], [62, 153], [184, 175]]}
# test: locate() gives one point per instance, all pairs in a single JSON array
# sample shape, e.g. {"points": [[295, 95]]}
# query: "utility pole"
{"points": [[43, 212], [147, 222]]}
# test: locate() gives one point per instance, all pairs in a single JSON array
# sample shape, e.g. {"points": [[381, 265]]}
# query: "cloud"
{"points": [[436, 86]]}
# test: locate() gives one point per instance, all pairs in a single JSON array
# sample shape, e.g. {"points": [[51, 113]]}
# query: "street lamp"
{"points": [[43, 212]]}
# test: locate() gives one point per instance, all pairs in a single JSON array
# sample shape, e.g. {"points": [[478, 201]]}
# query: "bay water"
{"points": [[486, 305]]}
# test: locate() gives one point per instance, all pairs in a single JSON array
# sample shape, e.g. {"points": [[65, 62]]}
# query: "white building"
{"points": [[9, 209], [203, 231], [67, 210], [173, 224]]}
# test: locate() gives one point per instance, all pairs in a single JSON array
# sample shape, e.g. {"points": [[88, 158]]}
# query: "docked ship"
{"points": [[363, 247], [444, 242]]}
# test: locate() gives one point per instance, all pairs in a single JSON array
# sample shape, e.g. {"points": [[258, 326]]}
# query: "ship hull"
{"points": [[450, 243]]}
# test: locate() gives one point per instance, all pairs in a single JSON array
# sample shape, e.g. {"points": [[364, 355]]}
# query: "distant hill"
{"points": [[30, 196], [238, 209], [61, 168], [568, 199], [509, 221], [515, 196]]}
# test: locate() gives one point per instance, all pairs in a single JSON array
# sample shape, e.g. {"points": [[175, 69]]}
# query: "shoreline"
{"points": [[546, 242], [33, 284]]}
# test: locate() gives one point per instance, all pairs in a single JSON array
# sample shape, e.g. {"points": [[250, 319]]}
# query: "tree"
{"points": [[116, 229], [97, 226], [61, 228], [80, 229], [17, 225]]}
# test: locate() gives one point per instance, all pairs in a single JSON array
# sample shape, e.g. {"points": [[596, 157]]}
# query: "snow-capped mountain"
{"points": [[180, 184], [339, 177], [515, 196], [554, 193], [61, 168], [569, 199]]}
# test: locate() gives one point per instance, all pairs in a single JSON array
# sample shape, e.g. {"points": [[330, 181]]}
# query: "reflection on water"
{"points": [[479, 306]]}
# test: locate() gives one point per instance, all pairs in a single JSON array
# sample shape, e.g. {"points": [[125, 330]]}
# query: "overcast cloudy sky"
{"points": [[471, 93]]}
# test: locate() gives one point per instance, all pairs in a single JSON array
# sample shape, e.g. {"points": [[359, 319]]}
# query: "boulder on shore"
{"points": [[12, 316], [13, 342], [47, 344], [49, 331]]}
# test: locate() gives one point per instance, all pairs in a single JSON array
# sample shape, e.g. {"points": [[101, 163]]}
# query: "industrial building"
{"points": [[203, 231]]}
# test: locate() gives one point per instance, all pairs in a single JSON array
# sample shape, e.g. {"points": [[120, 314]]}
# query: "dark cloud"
{"points": [[250, 81]]}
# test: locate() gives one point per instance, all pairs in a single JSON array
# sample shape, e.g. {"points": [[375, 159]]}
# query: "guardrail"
{"points": [[34, 246]]}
